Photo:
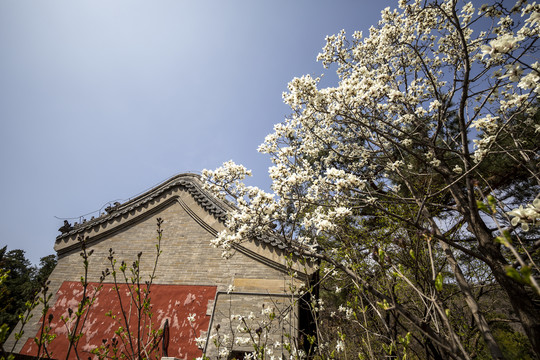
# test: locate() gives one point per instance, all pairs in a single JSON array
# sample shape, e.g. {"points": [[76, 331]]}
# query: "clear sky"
{"points": [[102, 99]]}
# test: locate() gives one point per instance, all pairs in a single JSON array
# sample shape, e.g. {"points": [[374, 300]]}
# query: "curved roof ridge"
{"points": [[159, 185], [190, 181]]}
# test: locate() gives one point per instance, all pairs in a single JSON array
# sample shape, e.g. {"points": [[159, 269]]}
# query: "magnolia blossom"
{"points": [[532, 79], [526, 215], [200, 341], [347, 310], [242, 341], [241, 328], [267, 311], [502, 44], [224, 352], [340, 346], [513, 72], [388, 117], [458, 169], [407, 142], [420, 102], [489, 124]]}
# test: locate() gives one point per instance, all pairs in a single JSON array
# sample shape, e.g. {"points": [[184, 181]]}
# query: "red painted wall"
{"points": [[172, 302]]}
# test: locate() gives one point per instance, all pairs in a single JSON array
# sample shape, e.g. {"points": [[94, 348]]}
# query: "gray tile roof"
{"points": [[190, 182]]}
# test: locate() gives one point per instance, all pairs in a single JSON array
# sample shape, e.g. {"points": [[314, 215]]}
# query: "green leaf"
{"points": [[411, 253], [526, 272], [384, 304], [504, 239], [514, 274], [523, 275], [439, 282], [4, 332], [492, 203], [482, 207]]}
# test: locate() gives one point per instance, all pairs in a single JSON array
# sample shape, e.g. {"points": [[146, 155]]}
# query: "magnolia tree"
{"points": [[404, 181]]}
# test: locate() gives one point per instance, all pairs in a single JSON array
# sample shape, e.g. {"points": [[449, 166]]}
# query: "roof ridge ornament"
{"points": [[111, 208], [66, 227]]}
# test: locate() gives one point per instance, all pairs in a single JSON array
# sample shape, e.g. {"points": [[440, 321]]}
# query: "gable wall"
{"points": [[187, 256]]}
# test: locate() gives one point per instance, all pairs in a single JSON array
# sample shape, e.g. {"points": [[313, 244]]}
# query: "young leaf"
{"points": [[439, 282]]}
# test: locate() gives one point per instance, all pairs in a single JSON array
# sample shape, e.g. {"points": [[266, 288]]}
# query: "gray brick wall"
{"points": [[242, 320]]}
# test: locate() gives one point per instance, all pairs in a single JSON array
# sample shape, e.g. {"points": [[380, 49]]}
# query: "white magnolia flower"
{"points": [[407, 142], [503, 44], [457, 169], [340, 346], [267, 310], [200, 341], [346, 145], [513, 72], [224, 352], [526, 215]]}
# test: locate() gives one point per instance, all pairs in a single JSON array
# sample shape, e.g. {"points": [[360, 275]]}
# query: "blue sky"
{"points": [[101, 100]]}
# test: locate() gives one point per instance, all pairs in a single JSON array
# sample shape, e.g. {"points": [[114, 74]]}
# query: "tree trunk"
{"points": [[523, 305], [465, 288]]}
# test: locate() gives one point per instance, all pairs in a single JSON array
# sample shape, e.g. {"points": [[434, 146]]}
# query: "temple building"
{"points": [[198, 301]]}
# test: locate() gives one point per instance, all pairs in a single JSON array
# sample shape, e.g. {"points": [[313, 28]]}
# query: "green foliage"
{"points": [[45, 268], [439, 282], [501, 172], [514, 344], [21, 282], [17, 288]]}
